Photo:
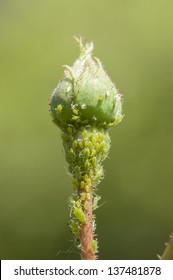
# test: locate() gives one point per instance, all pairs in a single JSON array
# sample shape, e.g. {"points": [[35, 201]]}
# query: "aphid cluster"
{"points": [[85, 150]]}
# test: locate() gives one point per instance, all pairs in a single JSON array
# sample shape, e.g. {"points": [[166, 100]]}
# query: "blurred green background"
{"points": [[134, 40]]}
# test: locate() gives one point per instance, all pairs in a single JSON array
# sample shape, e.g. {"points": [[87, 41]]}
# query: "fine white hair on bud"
{"points": [[87, 85]]}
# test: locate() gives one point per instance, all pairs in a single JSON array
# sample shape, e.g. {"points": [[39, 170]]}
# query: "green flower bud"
{"points": [[85, 95]]}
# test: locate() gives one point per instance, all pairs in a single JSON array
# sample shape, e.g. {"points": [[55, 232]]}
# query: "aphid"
{"points": [[110, 125], [75, 111], [59, 108], [82, 184], [85, 134], [86, 152], [75, 228], [77, 171], [82, 195], [93, 160], [74, 144], [101, 98], [86, 164], [98, 176], [75, 118], [80, 145], [75, 184], [78, 204], [95, 201], [97, 146], [86, 205], [88, 181], [89, 145], [72, 154], [79, 215], [95, 245], [87, 188], [85, 177], [69, 130], [101, 147], [93, 152], [83, 106], [88, 196], [71, 205]]}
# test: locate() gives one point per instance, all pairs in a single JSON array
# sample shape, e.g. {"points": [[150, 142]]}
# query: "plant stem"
{"points": [[87, 234], [168, 253]]}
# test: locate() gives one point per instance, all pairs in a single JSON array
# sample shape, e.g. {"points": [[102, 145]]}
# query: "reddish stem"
{"points": [[87, 234]]}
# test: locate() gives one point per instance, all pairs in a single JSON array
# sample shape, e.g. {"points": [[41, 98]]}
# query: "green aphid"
{"points": [[99, 176], [85, 134], [70, 130], [100, 136], [75, 111], [75, 228], [78, 204], [102, 145], [101, 98], [74, 144], [88, 196], [97, 146], [75, 184], [93, 161], [110, 125], [88, 181], [90, 146], [95, 201], [93, 140], [87, 188], [80, 145], [95, 245], [87, 164], [83, 196], [71, 202], [72, 154], [79, 215], [59, 108], [77, 171], [118, 119], [75, 118], [86, 205], [93, 152], [86, 152], [85, 177], [82, 184]]}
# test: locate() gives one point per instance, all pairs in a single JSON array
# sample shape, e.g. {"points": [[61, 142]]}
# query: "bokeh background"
{"points": [[134, 40]]}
